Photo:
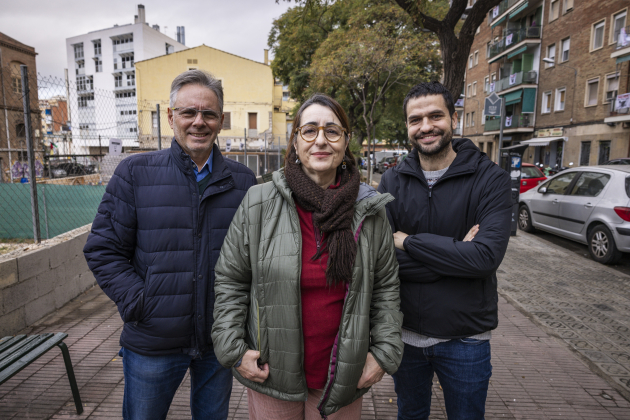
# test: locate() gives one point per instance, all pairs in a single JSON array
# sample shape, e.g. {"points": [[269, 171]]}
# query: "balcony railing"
{"points": [[127, 46], [619, 107], [513, 80], [503, 7], [513, 121], [81, 71], [623, 38], [513, 38]]}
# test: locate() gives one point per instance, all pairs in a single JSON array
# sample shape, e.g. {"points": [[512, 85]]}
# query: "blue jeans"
{"points": [[463, 369], [151, 382]]}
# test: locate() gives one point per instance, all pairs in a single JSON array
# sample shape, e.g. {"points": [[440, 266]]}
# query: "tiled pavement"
{"points": [[584, 303], [535, 375]]}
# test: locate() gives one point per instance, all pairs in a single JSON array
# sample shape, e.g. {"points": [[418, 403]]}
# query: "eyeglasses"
{"points": [[208, 115], [332, 132]]}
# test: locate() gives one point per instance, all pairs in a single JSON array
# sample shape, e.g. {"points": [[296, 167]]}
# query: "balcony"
{"points": [[80, 72], [122, 48], [619, 110], [512, 123], [514, 80], [622, 49], [496, 15], [512, 40]]}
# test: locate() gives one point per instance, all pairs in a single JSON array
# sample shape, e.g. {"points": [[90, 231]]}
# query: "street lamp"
{"points": [[553, 61]]}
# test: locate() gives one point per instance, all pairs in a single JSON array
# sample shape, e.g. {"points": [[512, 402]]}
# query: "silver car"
{"points": [[590, 204]]}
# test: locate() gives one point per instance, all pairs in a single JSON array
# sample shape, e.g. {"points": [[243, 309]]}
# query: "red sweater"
{"points": [[321, 305]]}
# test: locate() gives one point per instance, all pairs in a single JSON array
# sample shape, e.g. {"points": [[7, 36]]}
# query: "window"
{"points": [[551, 53], [566, 44], [467, 120], [488, 50], [115, 64], [20, 130], [83, 100], [97, 47], [286, 96], [555, 10], [98, 66], [546, 103], [604, 152], [618, 22], [472, 119], [476, 57], [16, 77], [78, 51], [592, 87], [560, 99], [469, 91], [127, 61], [486, 84], [133, 130], [567, 5], [597, 35], [118, 80], [131, 80], [474, 88], [585, 153], [227, 121], [169, 49], [559, 184], [590, 184], [470, 61], [612, 85], [192, 61], [81, 83]]}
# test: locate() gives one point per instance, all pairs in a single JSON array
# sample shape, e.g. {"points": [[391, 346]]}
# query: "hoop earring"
{"points": [[297, 161], [343, 165]]}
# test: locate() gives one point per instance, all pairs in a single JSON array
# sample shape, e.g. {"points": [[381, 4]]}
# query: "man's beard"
{"points": [[434, 151]]}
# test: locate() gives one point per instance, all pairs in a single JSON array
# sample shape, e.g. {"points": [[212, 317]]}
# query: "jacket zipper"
{"points": [[329, 385]]}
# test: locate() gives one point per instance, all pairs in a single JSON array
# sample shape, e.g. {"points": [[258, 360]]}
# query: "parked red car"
{"points": [[531, 176]]}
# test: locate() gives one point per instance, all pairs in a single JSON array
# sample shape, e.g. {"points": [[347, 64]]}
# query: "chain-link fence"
{"points": [[76, 136]]}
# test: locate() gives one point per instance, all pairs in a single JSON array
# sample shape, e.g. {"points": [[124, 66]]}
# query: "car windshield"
{"points": [[531, 172]]}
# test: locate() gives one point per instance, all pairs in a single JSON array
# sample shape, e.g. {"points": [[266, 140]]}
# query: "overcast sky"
{"points": [[240, 27]]}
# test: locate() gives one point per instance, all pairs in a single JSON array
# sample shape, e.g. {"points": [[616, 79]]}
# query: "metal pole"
{"points": [[159, 131], [45, 210], [6, 116], [68, 107], [265, 152], [502, 123], [31, 152], [245, 145]]}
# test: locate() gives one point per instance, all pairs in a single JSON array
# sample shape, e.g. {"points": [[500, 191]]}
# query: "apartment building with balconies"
{"points": [[551, 62], [101, 64]]}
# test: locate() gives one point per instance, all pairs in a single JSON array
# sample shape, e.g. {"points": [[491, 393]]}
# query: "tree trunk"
{"points": [[455, 53]]}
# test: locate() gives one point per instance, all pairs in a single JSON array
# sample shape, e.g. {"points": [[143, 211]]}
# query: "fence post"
{"points": [[265, 152], [30, 152], [45, 210], [245, 145], [6, 116], [159, 128]]}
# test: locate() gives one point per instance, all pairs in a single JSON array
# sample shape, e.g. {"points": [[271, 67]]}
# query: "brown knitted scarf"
{"points": [[333, 210]]}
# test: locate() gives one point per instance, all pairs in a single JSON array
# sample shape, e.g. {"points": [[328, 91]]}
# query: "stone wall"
{"points": [[39, 279]]}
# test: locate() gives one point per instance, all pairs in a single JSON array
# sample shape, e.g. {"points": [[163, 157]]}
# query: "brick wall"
{"points": [[35, 283]]}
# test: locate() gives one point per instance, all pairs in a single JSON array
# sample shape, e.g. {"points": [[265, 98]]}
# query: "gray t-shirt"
{"points": [[419, 340]]}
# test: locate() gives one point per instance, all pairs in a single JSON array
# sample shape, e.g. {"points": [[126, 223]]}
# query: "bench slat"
{"points": [[32, 355], [23, 350], [16, 347], [9, 341]]}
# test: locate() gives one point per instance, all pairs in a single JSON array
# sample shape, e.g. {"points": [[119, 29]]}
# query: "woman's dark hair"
{"points": [[328, 102], [430, 88]]}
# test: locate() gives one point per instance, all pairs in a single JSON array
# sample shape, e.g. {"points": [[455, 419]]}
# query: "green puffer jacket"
{"points": [[257, 302]]}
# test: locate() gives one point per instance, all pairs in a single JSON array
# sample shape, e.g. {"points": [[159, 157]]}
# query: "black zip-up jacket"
{"points": [[449, 287]]}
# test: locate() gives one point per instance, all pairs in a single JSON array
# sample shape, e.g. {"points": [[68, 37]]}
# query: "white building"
{"points": [[101, 67]]}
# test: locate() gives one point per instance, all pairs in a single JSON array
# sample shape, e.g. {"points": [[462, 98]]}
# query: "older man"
{"points": [[153, 247]]}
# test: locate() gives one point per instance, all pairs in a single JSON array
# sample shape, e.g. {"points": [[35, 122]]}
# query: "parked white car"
{"points": [[589, 204]]}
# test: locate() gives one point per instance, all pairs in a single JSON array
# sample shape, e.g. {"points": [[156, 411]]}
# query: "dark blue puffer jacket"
{"points": [[154, 244]]}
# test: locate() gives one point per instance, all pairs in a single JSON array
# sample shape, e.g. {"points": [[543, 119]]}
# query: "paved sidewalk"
{"points": [[535, 375]]}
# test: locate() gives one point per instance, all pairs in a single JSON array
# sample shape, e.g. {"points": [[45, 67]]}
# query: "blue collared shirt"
{"points": [[205, 170]]}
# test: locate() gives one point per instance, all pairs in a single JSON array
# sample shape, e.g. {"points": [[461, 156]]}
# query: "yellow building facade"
{"points": [[254, 105]]}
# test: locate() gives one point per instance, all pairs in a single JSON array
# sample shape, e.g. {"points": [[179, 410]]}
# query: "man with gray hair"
{"points": [[153, 246]]}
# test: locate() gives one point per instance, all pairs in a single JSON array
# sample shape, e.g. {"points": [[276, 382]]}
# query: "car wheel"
{"points": [[601, 245], [525, 220]]}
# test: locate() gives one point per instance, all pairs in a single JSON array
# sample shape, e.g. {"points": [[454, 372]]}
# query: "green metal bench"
{"points": [[18, 352]]}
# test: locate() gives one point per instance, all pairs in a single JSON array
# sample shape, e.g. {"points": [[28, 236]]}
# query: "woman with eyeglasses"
{"points": [[307, 291]]}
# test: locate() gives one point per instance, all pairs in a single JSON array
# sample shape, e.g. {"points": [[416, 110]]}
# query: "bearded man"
{"points": [[447, 193], [153, 246]]}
